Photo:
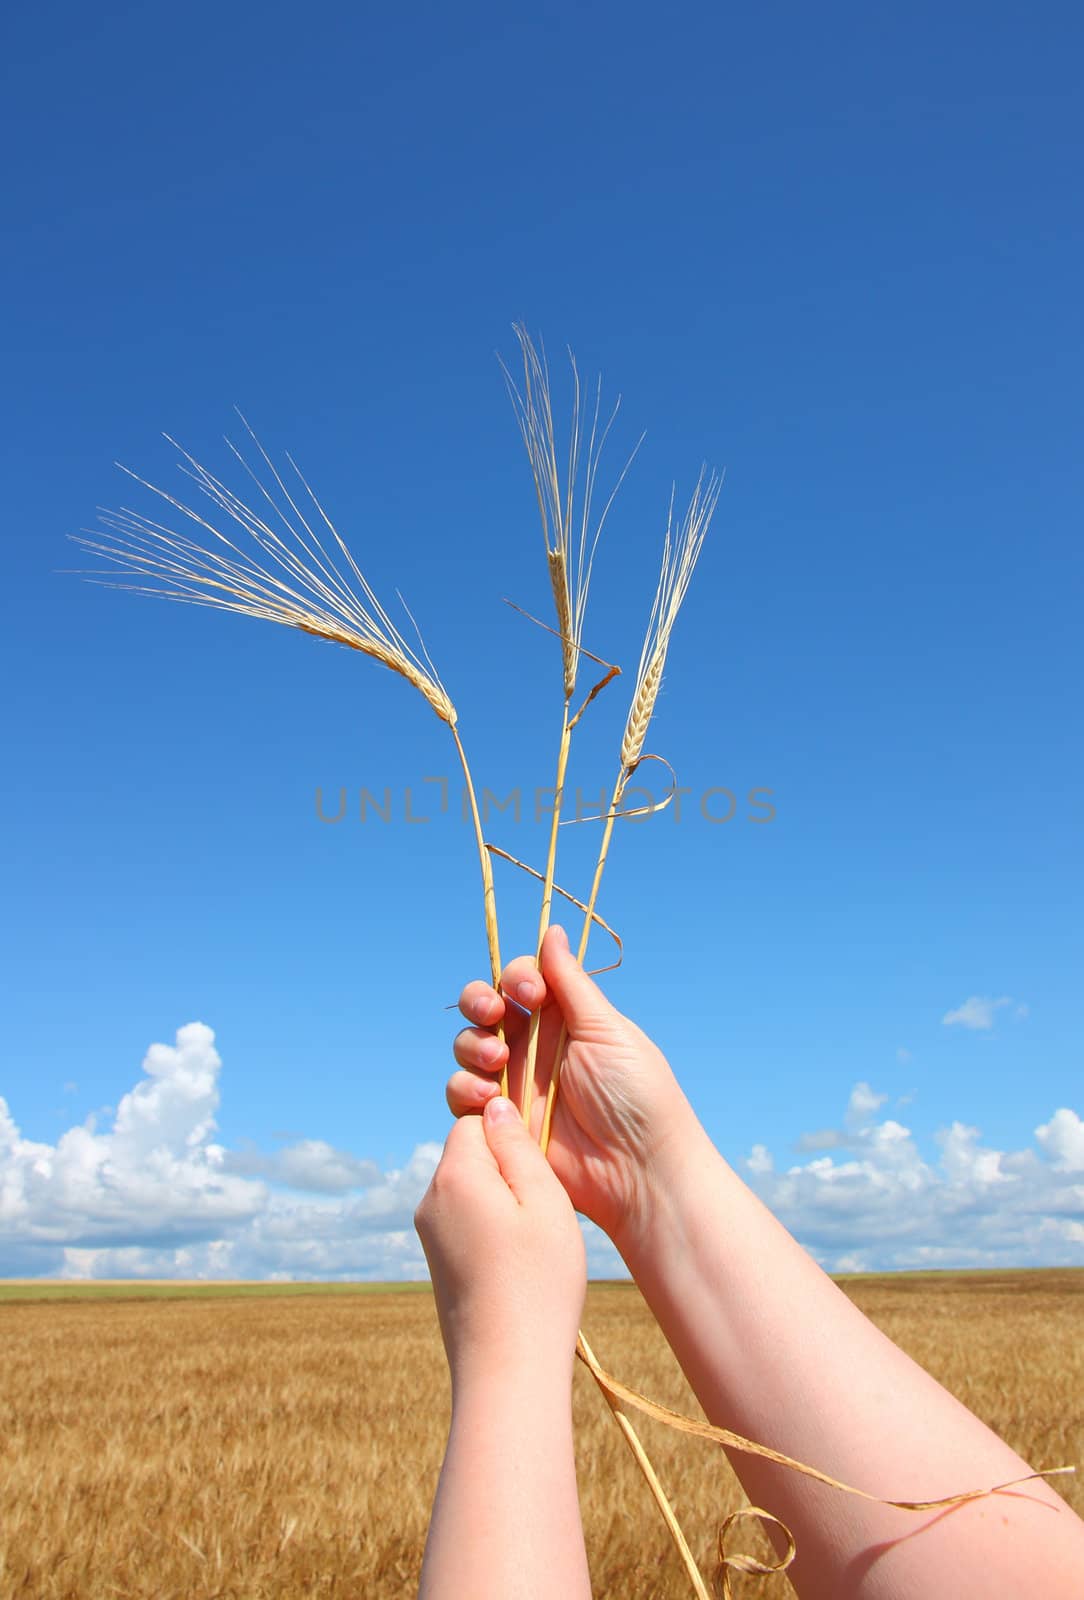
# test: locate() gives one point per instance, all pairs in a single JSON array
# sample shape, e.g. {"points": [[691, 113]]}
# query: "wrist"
{"points": [[682, 1165], [487, 1352], [501, 1381]]}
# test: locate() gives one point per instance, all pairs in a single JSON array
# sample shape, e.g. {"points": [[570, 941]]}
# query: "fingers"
{"points": [[583, 1005], [478, 1050], [465, 1147], [480, 1002], [467, 1092], [523, 982], [465, 1156], [522, 1164]]}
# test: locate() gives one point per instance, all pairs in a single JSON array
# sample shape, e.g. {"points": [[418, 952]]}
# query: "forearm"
{"points": [[776, 1352], [506, 1521]]}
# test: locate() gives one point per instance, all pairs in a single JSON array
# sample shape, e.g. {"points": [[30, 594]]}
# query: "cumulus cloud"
{"points": [[863, 1103], [1063, 1140], [309, 1164], [885, 1205], [978, 1012], [156, 1194]]}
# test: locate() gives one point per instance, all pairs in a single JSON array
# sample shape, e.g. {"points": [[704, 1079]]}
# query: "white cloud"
{"points": [[863, 1103], [1063, 1140], [156, 1195], [977, 1012], [886, 1206], [760, 1160], [309, 1164], [965, 1161]]}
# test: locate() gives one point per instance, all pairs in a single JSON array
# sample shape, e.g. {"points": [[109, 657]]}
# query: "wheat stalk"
{"points": [[279, 568], [565, 499], [680, 553], [679, 559], [570, 564]]}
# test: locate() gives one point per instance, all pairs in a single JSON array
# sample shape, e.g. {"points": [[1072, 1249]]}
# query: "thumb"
{"points": [[521, 1161], [582, 1003]]}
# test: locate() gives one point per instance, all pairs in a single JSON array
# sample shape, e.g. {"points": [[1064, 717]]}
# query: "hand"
{"points": [[619, 1110], [504, 1248]]}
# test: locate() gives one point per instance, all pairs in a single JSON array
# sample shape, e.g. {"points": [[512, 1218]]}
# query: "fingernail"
{"points": [[560, 936], [526, 991], [490, 1049], [482, 1007], [500, 1109]]}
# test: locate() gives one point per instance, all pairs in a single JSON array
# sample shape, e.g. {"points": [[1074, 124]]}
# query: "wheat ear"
{"points": [[570, 573], [679, 559], [680, 553], [279, 567], [565, 496]]}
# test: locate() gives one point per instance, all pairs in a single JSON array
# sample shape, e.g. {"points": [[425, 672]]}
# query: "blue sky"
{"points": [[837, 254]]}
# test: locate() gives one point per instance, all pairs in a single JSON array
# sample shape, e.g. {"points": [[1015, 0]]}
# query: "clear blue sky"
{"points": [[837, 252]]}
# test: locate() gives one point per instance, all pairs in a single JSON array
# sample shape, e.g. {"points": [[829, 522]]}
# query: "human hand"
{"points": [[620, 1111], [504, 1248]]}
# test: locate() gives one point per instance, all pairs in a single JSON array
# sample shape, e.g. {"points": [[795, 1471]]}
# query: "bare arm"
{"points": [[773, 1349], [507, 1262], [506, 1520], [776, 1352]]}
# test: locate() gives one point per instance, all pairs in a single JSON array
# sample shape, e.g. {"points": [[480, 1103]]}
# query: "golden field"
{"points": [[258, 1445]]}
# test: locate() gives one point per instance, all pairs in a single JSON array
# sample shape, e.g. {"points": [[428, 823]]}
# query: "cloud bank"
{"points": [[156, 1195], [883, 1205]]}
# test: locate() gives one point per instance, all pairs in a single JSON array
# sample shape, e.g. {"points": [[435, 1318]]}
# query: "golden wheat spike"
{"points": [[679, 557], [566, 495], [276, 567]]}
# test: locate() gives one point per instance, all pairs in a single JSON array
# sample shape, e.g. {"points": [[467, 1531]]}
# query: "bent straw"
{"points": [[570, 576], [618, 1393], [284, 573], [643, 1461], [570, 559], [681, 550]]}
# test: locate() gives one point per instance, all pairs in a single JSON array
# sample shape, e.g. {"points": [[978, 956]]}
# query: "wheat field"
{"points": [[259, 1444]]}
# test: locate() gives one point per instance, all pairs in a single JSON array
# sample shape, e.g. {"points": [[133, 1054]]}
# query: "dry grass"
{"points": [[281, 1446]]}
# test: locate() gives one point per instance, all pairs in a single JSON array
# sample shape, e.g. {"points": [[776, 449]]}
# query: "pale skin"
{"points": [[507, 1261], [773, 1349]]}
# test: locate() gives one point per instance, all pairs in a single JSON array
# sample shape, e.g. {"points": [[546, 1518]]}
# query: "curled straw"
{"points": [[619, 1394]]}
